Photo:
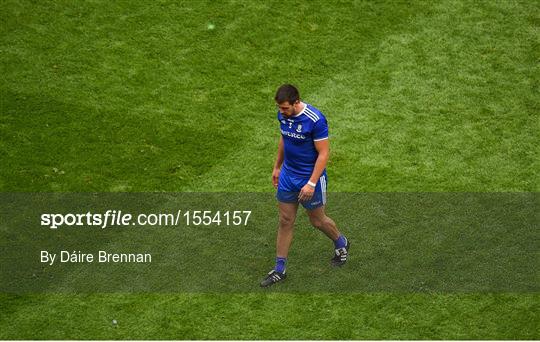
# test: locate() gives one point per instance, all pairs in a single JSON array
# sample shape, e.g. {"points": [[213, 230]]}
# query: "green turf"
{"points": [[133, 96], [272, 316]]}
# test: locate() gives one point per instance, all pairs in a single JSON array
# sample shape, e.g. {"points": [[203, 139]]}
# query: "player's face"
{"points": [[286, 108]]}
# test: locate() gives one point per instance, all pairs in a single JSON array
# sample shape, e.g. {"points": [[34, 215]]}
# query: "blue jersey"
{"points": [[299, 134]]}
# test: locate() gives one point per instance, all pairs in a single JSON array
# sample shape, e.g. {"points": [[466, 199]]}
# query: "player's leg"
{"points": [[315, 210], [287, 196], [287, 216], [319, 220]]}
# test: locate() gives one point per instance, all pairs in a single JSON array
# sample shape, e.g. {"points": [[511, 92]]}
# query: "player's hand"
{"points": [[275, 177], [306, 193]]}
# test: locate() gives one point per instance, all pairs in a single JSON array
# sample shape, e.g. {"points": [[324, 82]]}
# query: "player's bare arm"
{"points": [[323, 148], [278, 163]]}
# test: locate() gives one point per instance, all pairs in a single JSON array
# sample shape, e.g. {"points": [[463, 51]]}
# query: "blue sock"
{"points": [[340, 242], [280, 264]]}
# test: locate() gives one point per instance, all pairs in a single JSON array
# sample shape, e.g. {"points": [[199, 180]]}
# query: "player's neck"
{"points": [[299, 109]]}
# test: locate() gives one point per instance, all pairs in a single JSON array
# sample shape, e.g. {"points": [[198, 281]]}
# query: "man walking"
{"points": [[300, 177]]}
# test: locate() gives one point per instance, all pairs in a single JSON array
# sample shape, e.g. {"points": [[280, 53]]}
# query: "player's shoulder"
{"points": [[313, 113]]}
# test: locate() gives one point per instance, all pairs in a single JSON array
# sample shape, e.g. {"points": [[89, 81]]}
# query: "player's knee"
{"points": [[316, 222], [286, 220]]}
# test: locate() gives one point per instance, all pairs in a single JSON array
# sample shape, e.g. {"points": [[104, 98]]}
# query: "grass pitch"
{"points": [[127, 96]]}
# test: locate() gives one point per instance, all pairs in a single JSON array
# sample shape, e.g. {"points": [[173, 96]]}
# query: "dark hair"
{"points": [[287, 92]]}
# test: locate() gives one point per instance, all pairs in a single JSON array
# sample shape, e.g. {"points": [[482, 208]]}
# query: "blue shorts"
{"points": [[289, 188]]}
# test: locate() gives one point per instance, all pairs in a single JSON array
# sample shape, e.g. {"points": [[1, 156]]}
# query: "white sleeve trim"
{"points": [[320, 139]]}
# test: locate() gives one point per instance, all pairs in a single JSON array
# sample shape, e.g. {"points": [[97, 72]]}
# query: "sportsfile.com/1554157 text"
{"points": [[117, 218]]}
